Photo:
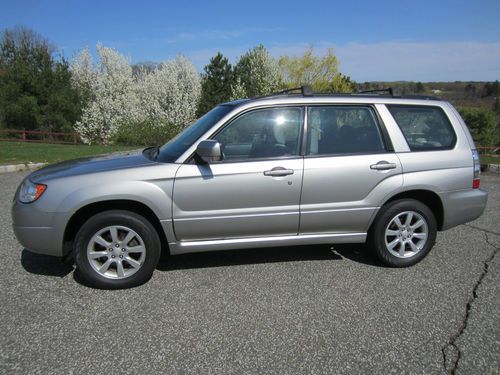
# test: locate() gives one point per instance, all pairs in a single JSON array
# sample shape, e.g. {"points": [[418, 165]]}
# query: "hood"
{"points": [[90, 165]]}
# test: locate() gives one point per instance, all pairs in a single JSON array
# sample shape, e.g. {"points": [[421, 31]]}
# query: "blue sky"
{"points": [[374, 40]]}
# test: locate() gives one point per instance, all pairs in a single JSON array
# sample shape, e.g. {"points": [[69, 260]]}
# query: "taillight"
{"points": [[477, 170]]}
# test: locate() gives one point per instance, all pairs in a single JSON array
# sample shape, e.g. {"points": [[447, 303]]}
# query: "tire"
{"points": [[130, 255], [403, 245]]}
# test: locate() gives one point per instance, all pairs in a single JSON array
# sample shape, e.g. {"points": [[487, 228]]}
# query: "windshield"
{"points": [[174, 148]]}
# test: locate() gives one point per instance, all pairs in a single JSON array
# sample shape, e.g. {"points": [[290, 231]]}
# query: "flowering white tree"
{"points": [[162, 98], [258, 72], [169, 94], [109, 93]]}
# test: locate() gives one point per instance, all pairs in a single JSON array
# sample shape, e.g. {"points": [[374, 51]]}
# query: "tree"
{"points": [[258, 73], [148, 106], [35, 88], [169, 95], [322, 73], [215, 84], [482, 124], [419, 87], [491, 89], [496, 106], [109, 93], [470, 90]]}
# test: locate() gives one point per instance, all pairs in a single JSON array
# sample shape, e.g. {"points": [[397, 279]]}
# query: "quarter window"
{"points": [[424, 127], [265, 133], [343, 130]]}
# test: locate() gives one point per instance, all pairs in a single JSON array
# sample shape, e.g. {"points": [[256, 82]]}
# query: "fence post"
{"points": [[24, 135], [74, 138]]}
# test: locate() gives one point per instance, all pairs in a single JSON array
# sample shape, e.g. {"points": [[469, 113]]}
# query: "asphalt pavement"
{"points": [[300, 310]]}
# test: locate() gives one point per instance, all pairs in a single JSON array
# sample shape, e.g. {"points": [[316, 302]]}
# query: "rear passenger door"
{"points": [[349, 168]]}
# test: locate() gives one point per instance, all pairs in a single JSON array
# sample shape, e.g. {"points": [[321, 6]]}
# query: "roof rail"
{"points": [[387, 90], [304, 90]]}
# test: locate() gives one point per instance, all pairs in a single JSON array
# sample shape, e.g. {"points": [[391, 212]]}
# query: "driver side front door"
{"points": [[254, 191]]}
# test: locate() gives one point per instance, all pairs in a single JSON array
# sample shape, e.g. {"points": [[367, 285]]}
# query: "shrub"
{"points": [[483, 125], [145, 133]]}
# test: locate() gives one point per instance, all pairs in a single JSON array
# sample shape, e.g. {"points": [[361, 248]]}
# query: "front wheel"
{"points": [[116, 249], [403, 233]]}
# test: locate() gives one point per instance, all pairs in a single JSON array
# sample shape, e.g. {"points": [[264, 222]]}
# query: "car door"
{"points": [[348, 170], [254, 191]]}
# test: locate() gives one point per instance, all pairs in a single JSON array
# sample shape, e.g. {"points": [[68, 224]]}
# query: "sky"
{"points": [[374, 40]]}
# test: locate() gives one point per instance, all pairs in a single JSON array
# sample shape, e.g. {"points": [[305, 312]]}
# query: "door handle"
{"points": [[383, 165], [278, 172]]}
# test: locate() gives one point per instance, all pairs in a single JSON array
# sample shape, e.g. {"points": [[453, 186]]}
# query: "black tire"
{"points": [[148, 258], [377, 234]]}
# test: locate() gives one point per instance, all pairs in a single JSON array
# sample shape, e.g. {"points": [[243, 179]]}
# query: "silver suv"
{"points": [[281, 170]]}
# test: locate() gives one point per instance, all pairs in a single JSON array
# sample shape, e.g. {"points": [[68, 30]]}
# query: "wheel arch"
{"points": [[91, 209], [427, 197]]}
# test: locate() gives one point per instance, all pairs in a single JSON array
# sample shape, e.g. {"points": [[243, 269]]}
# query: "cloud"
{"points": [[410, 60], [214, 35]]}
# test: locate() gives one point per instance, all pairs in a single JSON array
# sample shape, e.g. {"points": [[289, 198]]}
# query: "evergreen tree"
{"points": [[419, 87], [482, 124], [35, 89], [496, 106], [216, 84]]}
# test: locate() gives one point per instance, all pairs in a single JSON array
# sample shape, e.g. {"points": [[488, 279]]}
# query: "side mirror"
{"points": [[209, 151]]}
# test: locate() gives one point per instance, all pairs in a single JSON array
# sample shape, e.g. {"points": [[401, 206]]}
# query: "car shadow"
{"points": [[211, 259], [52, 266], [359, 253], [44, 264]]}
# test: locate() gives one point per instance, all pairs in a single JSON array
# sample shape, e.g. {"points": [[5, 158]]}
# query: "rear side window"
{"points": [[425, 128], [343, 130]]}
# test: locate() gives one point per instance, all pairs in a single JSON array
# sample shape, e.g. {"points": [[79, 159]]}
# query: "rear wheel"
{"points": [[116, 249], [403, 233]]}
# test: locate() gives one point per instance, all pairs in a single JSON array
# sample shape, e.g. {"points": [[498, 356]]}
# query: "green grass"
{"points": [[23, 152], [489, 159]]}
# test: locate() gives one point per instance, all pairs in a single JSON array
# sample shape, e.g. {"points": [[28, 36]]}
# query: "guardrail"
{"points": [[39, 136]]}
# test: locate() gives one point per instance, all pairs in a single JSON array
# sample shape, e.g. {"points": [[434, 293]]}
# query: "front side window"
{"points": [[180, 143], [343, 130], [424, 127], [264, 133]]}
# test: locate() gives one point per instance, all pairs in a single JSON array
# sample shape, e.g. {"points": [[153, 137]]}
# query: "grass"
{"points": [[489, 159], [23, 152]]}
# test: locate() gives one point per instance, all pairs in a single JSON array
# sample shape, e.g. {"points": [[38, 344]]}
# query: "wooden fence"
{"points": [[71, 138], [489, 151], [39, 136]]}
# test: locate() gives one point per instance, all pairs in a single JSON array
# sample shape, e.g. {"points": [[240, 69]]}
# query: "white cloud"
{"points": [[212, 35]]}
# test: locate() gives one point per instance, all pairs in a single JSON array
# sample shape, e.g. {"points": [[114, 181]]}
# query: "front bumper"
{"points": [[462, 206], [38, 231]]}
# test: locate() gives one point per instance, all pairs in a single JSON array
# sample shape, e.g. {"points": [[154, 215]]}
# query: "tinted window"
{"points": [[343, 130], [180, 143], [264, 133], [425, 128]]}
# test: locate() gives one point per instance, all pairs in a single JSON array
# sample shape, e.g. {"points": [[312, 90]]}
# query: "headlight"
{"points": [[30, 192]]}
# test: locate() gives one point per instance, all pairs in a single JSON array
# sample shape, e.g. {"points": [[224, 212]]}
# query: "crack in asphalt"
{"points": [[451, 345]]}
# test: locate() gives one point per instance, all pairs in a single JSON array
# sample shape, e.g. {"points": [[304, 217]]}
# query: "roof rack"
{"points": [[306, 90], [387, 90]]}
